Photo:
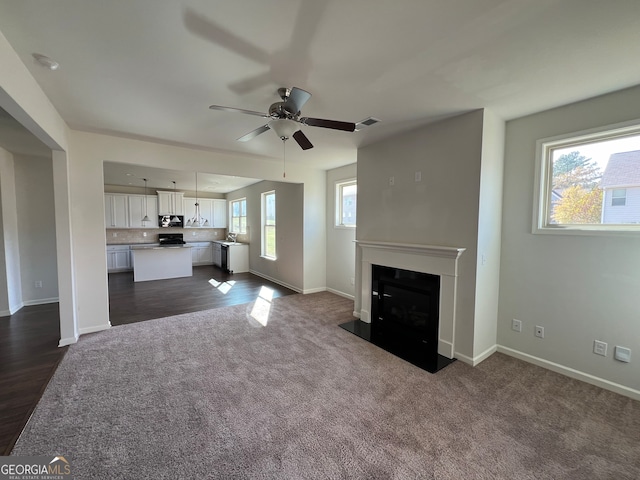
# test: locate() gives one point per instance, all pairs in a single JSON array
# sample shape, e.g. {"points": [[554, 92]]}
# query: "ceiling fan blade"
{"points": [[211, 31], [250, 84], [238, 110], [333, 124], [302, 140], [297, 98], [254, 133]]}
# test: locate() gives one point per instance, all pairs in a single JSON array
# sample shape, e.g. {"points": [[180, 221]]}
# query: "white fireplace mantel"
{"points": [[432, 259]]}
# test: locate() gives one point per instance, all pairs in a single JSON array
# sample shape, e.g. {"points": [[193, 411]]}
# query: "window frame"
{"points": [[231, 216], [543, 179], [615, 197], [264, 225], [339, 187]]}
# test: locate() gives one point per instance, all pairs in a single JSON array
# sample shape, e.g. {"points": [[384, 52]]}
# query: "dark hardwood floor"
{"points": [[29, 352], [131, 302], [29, 355]]}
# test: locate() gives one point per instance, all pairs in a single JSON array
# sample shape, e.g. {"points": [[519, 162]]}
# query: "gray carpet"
{"points": [[215, 394]]}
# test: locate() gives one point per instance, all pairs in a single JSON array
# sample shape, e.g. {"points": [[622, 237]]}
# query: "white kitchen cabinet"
{"points": [[238, 258], [141, 205], [118, 258], [116, 210], [206, 210], [201, 253], [219, 208], [170, 203]]}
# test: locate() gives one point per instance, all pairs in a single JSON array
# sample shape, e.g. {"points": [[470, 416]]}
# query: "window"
{"points": [[619, 197], [238, 209], [346, 200], [269, 224], [589, 182]]}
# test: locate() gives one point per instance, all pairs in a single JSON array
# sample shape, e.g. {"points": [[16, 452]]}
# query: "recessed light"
{"points": [[46, 61]]}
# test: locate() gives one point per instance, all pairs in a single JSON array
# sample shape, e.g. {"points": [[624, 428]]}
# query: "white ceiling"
{"points": [[151, 68]]}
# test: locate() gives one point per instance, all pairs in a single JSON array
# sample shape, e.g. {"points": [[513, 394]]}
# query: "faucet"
{"points": [[232, 237]]}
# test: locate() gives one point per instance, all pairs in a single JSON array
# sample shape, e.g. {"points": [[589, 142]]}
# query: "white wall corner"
{"points": [[473, 361]]}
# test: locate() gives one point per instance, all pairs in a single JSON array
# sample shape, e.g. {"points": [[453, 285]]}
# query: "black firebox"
{"points": [[405, 308]]}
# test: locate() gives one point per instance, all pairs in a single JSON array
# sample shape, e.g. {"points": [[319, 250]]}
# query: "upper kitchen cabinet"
{"points": [[205, 211], [212, 210], [116, 211], [219, 213], [170, 203], [141, 205]]}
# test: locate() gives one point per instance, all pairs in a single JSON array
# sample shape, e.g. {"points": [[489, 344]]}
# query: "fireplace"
{"points": [[404, 313], [407, 300]]}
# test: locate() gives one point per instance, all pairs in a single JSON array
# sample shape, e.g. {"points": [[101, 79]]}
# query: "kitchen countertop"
{"points": [[146, 247]]}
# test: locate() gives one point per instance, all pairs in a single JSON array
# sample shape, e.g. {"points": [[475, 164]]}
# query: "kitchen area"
{"points": [[163, 233]]}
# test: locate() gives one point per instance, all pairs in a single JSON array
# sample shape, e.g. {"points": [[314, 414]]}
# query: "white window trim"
{"points": [[543, 181], [263, 221], [231, 214], [338, 203]]}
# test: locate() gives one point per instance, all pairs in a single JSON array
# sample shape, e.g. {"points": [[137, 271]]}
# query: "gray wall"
{"points": [[36, 228], [341, 249], [29, 232], [287, 269], [578, 287], [442, 209]]}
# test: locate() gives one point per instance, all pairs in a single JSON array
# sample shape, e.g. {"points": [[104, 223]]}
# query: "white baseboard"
{"points": [[339, 293], [478, 358], [12, 309], [67, 341], [570, 372], [97, 328], [275, 280], [41, 301], [356, 314], [307, 291]]}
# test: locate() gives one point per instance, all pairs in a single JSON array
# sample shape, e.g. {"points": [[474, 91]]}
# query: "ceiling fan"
{"points": [[285, 118]]}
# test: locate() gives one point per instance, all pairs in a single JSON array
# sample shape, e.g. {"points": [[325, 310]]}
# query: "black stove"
{"points": [[171, 239]]}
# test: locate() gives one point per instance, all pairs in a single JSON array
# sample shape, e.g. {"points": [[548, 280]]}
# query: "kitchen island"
{"points": [[160, 262]]}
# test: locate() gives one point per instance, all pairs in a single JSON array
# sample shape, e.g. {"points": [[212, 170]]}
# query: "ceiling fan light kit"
{"points": [[285, 118]]}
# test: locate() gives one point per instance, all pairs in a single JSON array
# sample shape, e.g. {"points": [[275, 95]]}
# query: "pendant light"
{"points": [[175, 218], [197, 220], [146, 216]]}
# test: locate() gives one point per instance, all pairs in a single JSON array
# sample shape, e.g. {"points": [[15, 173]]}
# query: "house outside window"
{"points": [[269, 225], [238, 209], [619, 197], [346, 202], [589, 182]]}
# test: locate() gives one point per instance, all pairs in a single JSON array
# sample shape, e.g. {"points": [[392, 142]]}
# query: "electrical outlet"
{"points": [[622, 354], [539, 331], [392, 181], [418, 176], [352, 281], [114, 234], [516, 325], [600, 348], [38, 283], [144, 234]]}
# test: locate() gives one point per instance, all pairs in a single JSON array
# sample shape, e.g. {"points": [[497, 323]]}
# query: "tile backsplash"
{"points": [[131, 236]]}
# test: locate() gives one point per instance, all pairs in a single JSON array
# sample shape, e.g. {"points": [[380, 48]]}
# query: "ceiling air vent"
{"points": [[367, 122]]}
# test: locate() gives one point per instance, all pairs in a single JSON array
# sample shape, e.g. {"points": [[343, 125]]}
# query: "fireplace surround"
{"points": [[436, 261]]}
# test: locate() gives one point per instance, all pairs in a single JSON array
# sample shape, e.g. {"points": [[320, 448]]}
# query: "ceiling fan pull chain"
{"points": [[284, 158]]}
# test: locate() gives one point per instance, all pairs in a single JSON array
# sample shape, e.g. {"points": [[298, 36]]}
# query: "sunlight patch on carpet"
{"points": [[262, 306]]}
